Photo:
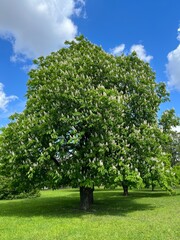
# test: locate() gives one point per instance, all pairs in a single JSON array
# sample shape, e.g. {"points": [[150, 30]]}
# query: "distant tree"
{"points": [[175, 148], [168, 122], [171, 144], [175, 154], [90, 120]]}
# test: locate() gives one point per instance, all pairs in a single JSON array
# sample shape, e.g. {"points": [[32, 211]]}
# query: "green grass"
{"points": [[56, 215]]}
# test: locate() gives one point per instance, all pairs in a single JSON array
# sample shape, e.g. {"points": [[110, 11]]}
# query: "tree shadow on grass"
{"points": [[108, 202], [114, 203]]}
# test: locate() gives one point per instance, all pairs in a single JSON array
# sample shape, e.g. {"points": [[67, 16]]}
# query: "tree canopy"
{"points": [[90, 120]]}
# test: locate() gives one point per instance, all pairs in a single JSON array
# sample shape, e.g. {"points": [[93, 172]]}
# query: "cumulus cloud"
{"points": [[173, 67], [118, 50], [177, 129], [4, 100], [138, 48], [178, 37], [38, 27], [141, 52]]}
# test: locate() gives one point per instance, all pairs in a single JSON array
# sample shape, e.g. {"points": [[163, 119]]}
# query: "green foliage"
{"points": [[4, 187], [176, 170], [174, 148], [171, 144], [169, 120], [90, 119], [171, 141], [7, 190]]}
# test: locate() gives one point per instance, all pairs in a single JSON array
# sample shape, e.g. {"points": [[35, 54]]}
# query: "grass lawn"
{"points": [[56, 215]]}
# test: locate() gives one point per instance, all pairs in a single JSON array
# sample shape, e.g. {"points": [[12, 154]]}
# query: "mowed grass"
{"points": [[56, 215]]}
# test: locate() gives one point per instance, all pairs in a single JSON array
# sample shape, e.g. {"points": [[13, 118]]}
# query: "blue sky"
{"points": [[31, 28]]}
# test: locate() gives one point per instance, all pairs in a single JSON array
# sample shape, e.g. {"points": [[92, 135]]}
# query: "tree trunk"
{"points": [[153, 186], [125, 189], [86, 197]]}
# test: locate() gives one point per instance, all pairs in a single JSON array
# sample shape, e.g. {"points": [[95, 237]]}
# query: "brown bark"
{"points": [[86, 197], [153, 186], [125, 189]]}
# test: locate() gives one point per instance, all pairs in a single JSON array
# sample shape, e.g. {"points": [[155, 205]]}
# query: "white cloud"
{"points": [[178, 37], [4, 100], [177, 129], [38, 27], [27, 68], [173, 67], [138, 48], [16, 107], [141, 52], [118, 50]]}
